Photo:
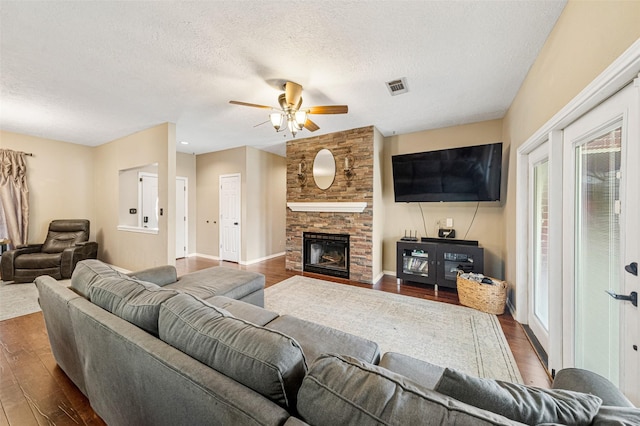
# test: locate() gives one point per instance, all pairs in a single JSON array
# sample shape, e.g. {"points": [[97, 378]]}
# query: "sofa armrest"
{"points": [[72, 255], [7, 269], [26, 248], [585, 381], [159, 275]]}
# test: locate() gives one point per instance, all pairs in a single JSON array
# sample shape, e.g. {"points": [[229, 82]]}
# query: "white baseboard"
{"points": [[378, 277], [512, 309], [392, 273], [206, 256], [251, 262]]}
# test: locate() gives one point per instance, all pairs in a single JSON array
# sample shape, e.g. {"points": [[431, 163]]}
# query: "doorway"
{"points": [[182, 223], [230, 215], [148, 200], [601, 177]]}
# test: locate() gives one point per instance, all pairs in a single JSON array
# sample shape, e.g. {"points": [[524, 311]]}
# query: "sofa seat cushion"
{"points": [[521, 403], [220, 281], [87, 272], [132, 300], [317, 339], [340, 390], [264, 360], [243, 310], [37, 261]]}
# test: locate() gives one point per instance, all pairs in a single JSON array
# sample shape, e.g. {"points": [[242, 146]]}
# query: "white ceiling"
{"points": [[90, 72]]}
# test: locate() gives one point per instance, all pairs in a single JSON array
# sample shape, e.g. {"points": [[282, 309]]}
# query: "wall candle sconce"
{"points": [[302, 175], [348, 167]]}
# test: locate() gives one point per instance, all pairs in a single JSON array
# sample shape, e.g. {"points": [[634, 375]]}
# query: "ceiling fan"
{"points": [[296, 117]]}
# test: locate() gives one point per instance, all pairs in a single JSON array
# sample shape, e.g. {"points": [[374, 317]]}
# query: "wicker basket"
{"points": [[483, 297]]}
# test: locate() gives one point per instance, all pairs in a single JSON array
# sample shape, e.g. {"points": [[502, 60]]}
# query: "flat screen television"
{"points": [[470, 173]]}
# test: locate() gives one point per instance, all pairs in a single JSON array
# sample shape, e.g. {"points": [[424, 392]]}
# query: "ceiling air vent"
{"points": [[397, 87]]}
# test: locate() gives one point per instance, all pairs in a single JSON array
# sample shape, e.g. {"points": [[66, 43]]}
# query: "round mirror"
{"points": [[324, 169]]}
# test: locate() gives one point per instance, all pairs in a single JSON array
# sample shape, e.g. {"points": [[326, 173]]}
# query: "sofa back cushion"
{"points": [[132, 300], [64, 234], [343, 390], [526, 404], [264, 360], [87, 272]]}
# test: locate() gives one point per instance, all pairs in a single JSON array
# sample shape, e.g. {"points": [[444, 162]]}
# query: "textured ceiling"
{"points": [[90, 72]]}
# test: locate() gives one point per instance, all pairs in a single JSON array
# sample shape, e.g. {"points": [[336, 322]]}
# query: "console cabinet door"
{"points": [[454, 257], [416, 262]]}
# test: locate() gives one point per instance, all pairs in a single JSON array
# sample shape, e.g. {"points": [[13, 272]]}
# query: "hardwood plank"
{"points": [[35, 391]]}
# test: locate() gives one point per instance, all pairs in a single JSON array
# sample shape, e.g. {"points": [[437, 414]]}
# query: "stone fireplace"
{"points": [[345, 208]]}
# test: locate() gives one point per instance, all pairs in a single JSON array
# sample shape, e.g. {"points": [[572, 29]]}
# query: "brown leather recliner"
{"points": [[66, 244]]}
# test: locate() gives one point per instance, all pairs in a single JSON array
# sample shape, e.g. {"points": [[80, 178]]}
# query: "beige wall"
{"points": [[263, 205], [209, 167], [587, 38], [378, 205], [266, 203], [186, 167], [132, 250], [487, 228], [60, 179]]}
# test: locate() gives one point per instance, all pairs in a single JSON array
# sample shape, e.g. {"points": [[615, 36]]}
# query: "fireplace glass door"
{"points": [[326, 254]]}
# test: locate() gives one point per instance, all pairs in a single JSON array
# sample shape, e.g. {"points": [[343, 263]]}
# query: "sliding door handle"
{"points": [[633, 297]]}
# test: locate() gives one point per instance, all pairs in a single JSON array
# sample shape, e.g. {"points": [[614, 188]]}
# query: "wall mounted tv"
{"points": [[470, 173]]}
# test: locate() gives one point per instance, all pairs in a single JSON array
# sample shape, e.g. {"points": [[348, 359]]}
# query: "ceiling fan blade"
{"points": [[250, 105], [292, 92], [310, 125], [328, 109]]}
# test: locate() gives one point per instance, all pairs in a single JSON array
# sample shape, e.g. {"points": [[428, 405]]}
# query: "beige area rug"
{"points": [[17, 299], [440, 333]]}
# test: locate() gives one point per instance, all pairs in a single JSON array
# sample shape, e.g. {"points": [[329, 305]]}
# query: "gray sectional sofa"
{"points": [[148, 348]]}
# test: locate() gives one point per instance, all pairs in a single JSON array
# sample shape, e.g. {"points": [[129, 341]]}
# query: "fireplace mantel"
{"points": [[335, 207]]}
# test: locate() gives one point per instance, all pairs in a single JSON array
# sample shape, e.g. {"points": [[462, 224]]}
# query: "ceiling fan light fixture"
{"points": [[276, 120], [293, 127], [301, 119]]}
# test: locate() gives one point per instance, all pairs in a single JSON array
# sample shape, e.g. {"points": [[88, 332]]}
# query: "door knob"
{"points": [[632, 297], [632, 268], [235, 223]]}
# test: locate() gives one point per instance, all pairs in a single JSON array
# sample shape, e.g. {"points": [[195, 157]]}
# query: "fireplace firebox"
{"points": [[326, 254]]}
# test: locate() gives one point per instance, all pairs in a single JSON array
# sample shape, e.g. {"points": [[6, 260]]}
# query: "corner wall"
{"points": [[132, 250], [587, 38], [487, 227], [60, 179], [263, 186]]}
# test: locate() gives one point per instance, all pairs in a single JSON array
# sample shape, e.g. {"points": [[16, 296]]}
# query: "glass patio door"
{"points": [[597, 252], [539, 245], [602, 223]]}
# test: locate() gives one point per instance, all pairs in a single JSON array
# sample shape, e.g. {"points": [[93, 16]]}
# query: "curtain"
{"points": [[14, 197]]}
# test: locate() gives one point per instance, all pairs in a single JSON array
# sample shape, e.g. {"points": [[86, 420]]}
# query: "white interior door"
{"points": [[181, 217], [148, 200], [230, 214], [602, 158], [538, 286]]}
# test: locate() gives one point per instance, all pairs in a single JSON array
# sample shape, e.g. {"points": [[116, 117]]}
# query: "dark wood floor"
{"points": [[35, 391]]}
